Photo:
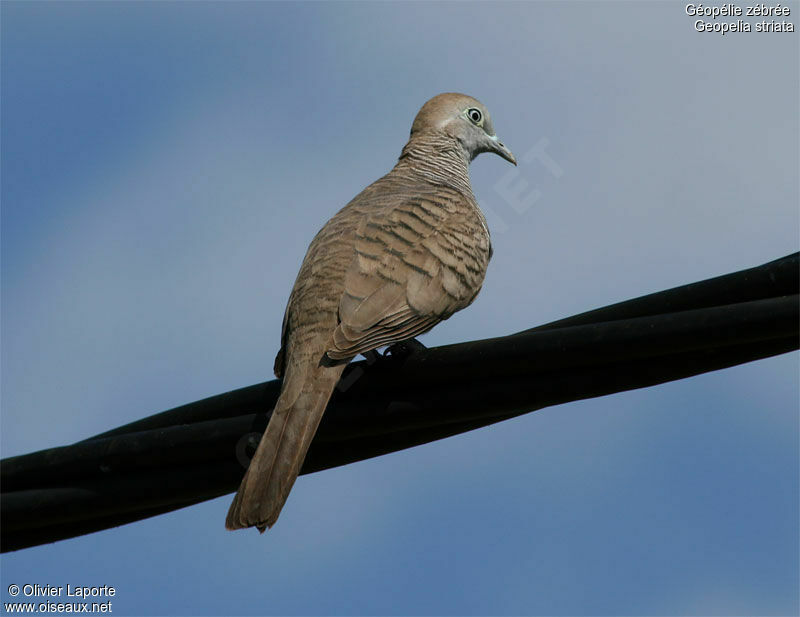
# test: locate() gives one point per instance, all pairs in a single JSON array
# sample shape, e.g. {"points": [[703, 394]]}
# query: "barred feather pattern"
{"points": [[409, 251]]}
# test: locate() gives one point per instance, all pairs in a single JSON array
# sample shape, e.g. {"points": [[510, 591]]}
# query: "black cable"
{"points": [[198, 451]]}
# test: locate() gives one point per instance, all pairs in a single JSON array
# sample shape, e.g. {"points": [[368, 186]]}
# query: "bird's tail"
{"points": [[283, 447]]}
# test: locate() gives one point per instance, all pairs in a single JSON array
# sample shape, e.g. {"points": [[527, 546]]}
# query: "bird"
{"points": [[405, 254]]}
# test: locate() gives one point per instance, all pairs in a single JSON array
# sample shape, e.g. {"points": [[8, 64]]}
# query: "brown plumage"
{"points": [[409, 251]]}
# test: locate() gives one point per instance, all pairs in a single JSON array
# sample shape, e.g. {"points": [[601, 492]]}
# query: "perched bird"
{"points": [[406, 253]]}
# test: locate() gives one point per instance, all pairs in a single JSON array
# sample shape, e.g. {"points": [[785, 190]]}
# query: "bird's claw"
{"points": [[371, 356], [403, 349]]}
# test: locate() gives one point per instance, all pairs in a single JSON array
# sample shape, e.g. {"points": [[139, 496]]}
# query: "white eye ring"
{"points": [[475, 115]]}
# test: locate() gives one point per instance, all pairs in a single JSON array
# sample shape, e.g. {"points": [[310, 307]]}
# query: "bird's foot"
{"points": [[397, 351], [403, 349], [371, 356]]}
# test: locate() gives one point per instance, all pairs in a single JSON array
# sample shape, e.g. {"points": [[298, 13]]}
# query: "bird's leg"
{"points": [[372, 356], [399, 350], [403, 349]]}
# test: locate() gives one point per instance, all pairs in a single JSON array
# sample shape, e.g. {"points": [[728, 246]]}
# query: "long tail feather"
{"points": [[283, 447]]}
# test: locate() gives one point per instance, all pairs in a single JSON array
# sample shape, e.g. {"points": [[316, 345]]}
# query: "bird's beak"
{"points": [[499, 148]]}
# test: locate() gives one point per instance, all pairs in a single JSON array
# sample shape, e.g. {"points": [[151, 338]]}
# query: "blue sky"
{"points": [[164, 166]]}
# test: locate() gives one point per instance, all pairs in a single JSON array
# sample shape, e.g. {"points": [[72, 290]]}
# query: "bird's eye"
{"points": [[475, 115]]}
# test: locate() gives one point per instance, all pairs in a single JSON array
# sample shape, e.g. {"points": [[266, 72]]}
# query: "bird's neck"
{"points": [[439, 159]]}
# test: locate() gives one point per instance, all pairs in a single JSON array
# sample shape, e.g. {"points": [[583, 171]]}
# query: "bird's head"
{"points": [[463, 118]]}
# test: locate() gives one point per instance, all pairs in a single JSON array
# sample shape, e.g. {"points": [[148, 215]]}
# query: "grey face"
{"points": [[463, 118], [475, 132]]}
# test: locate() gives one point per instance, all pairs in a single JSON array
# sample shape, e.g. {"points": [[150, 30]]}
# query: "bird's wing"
{"points": [[416, 263]]}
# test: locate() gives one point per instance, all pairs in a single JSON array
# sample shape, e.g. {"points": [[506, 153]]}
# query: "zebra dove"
{"points": [[406, 253]]}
